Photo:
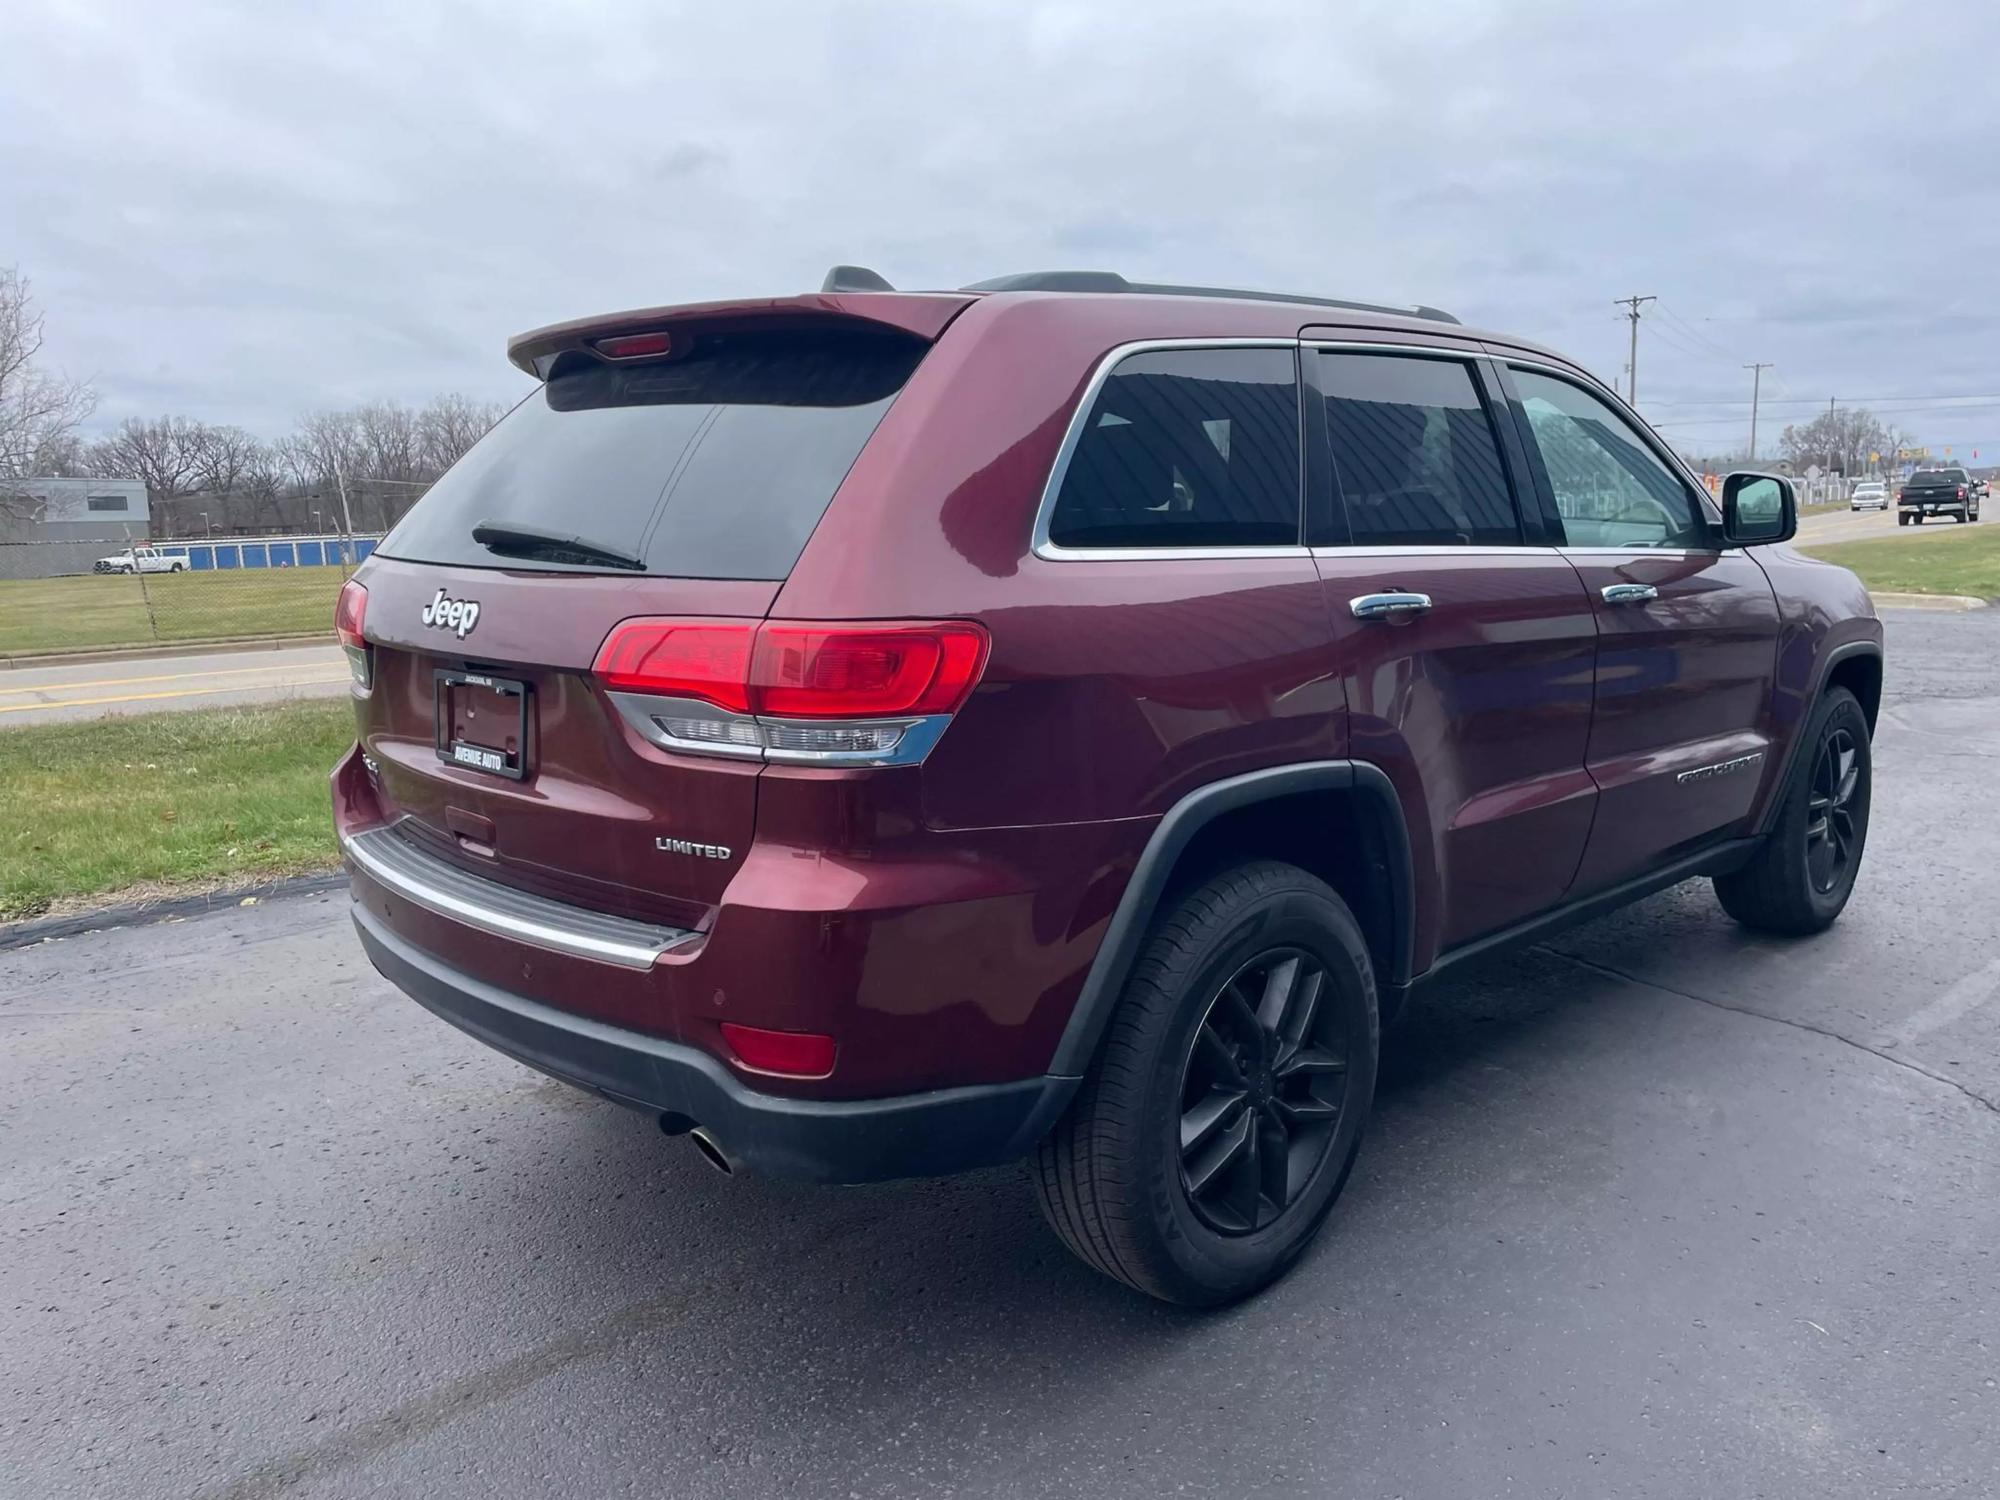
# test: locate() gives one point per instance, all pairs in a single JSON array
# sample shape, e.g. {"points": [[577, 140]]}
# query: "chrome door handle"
{"points": [[1629, 593], [1388, 606]]}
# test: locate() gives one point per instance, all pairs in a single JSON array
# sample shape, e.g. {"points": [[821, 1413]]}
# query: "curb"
{"points": [[1926, 601], [179, 648], [47, 929]]}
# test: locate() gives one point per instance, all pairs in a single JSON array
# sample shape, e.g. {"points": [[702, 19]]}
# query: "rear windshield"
{"points": [[1941, 476], [714, 464]]}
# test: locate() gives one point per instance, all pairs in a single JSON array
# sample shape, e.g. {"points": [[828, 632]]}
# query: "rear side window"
{"points": [[716, 464], [1414, 453], [1187, 448]]}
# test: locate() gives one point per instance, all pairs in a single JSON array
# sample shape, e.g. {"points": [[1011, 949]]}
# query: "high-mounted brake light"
{"points": [[635, 345], [349, 612], [837, 692]]}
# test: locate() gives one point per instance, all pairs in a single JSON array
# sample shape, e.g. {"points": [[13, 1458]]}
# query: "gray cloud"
{"points": [[242, 210]]}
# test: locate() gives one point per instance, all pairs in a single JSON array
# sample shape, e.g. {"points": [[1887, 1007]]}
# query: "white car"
{"points": [[141, 560], [1869, 494]]}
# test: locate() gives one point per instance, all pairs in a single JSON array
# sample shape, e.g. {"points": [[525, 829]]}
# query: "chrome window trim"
{"points": [[1432, 549], [429, 882], [643, 711], [1049, 551]]}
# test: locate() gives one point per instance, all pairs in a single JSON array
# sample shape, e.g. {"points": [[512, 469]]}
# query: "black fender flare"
{"points": [[1822, 671], [1126, 932]]}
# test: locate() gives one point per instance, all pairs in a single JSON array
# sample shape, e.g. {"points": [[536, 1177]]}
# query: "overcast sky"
{"points": [[239, 211]]}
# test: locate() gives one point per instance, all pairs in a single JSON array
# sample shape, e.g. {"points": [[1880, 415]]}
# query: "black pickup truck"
{"points": [[1932, 492]]}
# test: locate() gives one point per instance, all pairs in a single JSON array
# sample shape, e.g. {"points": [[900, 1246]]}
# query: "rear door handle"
{"points": [[1629, 593], [1388, 606]]}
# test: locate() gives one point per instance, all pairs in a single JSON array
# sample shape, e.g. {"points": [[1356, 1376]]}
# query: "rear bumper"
{"points": [[816, 1140]]}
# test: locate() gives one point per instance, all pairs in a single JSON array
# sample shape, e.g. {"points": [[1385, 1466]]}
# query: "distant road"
{"points": [[42, 695], [1862, 525]]}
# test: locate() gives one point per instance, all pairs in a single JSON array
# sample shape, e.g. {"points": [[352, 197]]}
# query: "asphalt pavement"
{"points": [[147, 684], [1844, 525], [1657, 1208]]}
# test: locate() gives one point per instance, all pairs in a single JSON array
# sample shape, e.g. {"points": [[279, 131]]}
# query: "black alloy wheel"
{"points": [[1262, 1093], [1830, 829]]}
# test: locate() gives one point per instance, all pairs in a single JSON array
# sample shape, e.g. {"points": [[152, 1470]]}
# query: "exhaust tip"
{"points": [[711, 1152]]}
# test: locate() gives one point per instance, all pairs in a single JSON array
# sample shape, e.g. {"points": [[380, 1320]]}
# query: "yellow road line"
{"points": [[128, 681], [241, 687]]}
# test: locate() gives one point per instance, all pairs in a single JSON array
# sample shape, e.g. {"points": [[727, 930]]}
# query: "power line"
{"points": [[1816, 401]]}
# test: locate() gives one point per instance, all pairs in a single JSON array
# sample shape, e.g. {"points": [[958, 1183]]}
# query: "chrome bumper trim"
{"points": [[487, 905]]}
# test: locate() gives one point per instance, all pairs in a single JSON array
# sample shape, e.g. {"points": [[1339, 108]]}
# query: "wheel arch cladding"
{"points": [[1337, 819]]}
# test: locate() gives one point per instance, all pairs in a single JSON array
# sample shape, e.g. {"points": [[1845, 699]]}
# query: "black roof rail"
{"points": [[1111, 281], [855, 279]]}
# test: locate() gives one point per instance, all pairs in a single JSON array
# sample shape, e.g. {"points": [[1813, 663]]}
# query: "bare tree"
{"points": [[451, 424], [1839, 440], [223, 457], [165, 453], [39, 411]]}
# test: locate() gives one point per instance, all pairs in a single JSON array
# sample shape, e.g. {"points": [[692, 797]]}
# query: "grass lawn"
{"points": [[110, 609], [1964, 561], [168, 801]]}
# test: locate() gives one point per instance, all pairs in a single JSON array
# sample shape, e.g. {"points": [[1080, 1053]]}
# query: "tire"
{"points": [[1902, 518], [1961, 515], [1113, 1178], [1783, 890]]}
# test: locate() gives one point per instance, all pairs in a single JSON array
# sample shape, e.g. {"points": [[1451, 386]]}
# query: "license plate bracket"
{"points": [[482, 722]]}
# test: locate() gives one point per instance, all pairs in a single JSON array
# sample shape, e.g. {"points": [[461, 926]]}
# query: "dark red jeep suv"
{"points": [[887, 733]]}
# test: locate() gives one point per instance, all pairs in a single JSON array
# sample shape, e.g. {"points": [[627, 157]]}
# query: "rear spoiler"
{"points": [[922, 315]]}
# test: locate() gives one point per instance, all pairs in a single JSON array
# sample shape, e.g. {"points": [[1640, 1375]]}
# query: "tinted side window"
{"points": [[1610, 488], [1187, 448], [1414, 453]]}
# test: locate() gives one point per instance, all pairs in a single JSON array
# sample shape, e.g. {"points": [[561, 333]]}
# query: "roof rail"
{"points": [[1111, 281]]}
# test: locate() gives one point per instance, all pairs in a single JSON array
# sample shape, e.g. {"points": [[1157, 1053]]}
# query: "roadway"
{"points": [[1865, 525], [1655, 1208], [44, 695]]}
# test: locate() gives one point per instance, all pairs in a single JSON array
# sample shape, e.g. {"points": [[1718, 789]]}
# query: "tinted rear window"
{"points": [[717, 464]]}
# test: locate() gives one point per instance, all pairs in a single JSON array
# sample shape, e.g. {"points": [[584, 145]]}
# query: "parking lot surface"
{"points": [[1656, 1208]]}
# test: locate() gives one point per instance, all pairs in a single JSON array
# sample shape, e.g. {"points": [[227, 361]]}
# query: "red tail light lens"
{"points": [[705, 659], [795, 1054], [787, 669], [864, 672], [348, 613]]}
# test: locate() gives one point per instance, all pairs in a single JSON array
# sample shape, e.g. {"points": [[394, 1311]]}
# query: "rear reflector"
{"points": [[635, 346], [786, 669], [795, 1054]]}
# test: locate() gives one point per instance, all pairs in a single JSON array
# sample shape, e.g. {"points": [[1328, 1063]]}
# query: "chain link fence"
{"points": [[210, 567]]}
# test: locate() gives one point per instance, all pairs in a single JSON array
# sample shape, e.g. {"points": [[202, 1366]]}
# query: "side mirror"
{"points": [[1757, 509]]}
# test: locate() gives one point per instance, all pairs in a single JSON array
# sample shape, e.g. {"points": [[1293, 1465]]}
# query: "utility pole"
{"points": [[346, 516], [1756, 385], [1632, 370]]}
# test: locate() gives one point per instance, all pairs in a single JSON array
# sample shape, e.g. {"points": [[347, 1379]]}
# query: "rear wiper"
{"points": [[510, 540]]}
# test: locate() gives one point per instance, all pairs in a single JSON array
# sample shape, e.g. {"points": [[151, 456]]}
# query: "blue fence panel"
{"points": [[312, 554]]}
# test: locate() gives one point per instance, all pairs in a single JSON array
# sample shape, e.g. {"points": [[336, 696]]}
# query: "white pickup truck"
{"points": [[140, 560]]}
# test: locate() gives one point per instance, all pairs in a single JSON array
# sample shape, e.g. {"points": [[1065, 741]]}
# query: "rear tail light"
{"points": [[349, 613], [831, 693], [794, 1054]]}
